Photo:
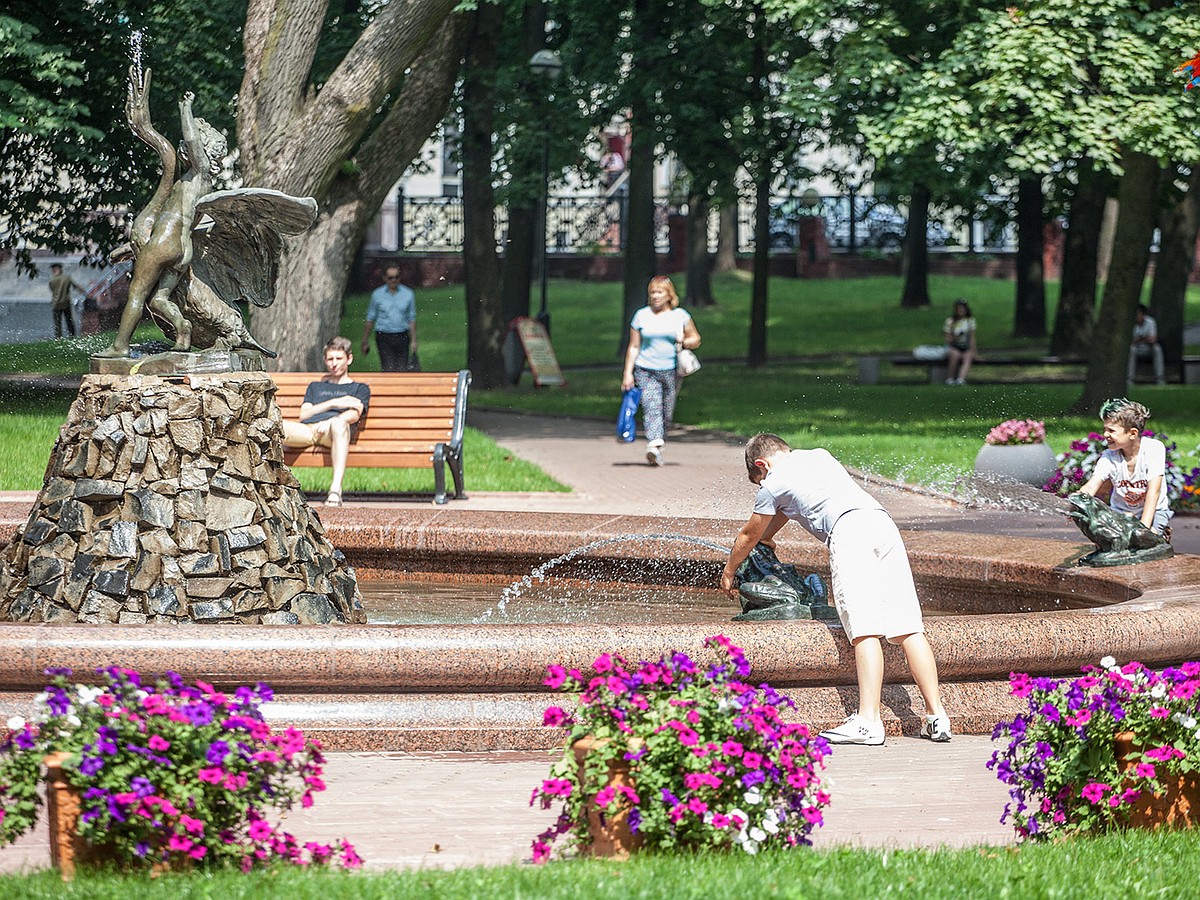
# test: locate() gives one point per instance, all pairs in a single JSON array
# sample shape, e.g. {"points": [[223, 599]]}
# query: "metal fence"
{"points": [[596, 225]]}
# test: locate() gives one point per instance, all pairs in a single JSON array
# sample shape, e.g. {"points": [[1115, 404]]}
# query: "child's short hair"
{"points": [[339, 343], [1125, 413], [761, 446]]}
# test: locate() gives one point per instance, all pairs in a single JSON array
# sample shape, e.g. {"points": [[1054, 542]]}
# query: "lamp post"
{"points": [[545, 64]]}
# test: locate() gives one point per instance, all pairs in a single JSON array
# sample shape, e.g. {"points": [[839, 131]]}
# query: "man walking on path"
{"points": [[60, 299], [392, 313]]}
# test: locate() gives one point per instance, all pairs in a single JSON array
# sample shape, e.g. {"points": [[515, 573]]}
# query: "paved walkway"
{"points": [[448, 809]]}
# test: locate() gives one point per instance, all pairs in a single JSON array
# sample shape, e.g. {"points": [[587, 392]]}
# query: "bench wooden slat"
{"points": [[414, 420], [312, 459]]}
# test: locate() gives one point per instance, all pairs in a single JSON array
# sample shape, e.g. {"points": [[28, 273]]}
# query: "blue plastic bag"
{"points": [[626, 423]]}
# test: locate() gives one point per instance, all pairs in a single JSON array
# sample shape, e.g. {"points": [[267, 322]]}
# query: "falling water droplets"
{"points": [[135, 55], [539, 574]]}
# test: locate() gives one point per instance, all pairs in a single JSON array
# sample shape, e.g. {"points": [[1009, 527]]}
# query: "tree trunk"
{"points": [[757, 355], [1180, 223], [1030, 316], [312, 279], [485, 313], [517, 280], [1081, 247], [699, 263], [299, 141], [640, 259], [916, 251], [726, 258], [1131, 253]]}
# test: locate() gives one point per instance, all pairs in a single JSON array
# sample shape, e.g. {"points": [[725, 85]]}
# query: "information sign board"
{"points": [[538, 352]]}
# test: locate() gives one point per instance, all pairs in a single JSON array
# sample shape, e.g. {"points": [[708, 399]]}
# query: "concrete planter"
{"points": [[1029, 464]]}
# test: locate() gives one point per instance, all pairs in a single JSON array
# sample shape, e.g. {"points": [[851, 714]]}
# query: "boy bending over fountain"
{"points": [[873, 588], [1133, 468]]}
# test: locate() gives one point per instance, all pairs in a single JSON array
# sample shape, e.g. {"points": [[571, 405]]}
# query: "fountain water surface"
{"points": [[479, 685]]}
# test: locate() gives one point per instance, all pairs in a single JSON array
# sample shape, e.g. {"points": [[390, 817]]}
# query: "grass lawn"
{"points": [[30, 419], [1117, 865], [900, 428]]}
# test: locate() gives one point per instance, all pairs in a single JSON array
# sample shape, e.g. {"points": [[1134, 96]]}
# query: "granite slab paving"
{"points": [[446, 810]]}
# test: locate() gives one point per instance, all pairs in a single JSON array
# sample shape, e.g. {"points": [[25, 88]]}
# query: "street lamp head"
{"points": [[546, 64]]}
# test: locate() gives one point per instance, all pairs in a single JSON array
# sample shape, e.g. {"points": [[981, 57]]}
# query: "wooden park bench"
{"points": [[414, 420], [936, 368], [1188, 371]]}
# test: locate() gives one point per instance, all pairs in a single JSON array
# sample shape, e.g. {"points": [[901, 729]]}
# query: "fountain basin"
{"points": [[437, 687]]}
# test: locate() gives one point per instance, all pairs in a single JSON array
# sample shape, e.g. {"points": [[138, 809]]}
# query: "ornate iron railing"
{"points": [[596, 225], [573, 224]]}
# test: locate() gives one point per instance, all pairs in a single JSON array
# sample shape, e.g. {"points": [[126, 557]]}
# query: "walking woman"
{"points": [[658, 330]]}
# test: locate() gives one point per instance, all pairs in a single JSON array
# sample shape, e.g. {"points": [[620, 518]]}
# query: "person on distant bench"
{"points": [[959, 331], [1145, 345], [331, 409]]}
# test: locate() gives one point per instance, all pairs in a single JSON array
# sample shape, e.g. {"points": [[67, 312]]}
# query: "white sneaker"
{"points": [[654, 453], [936, 728], [856, 730]]}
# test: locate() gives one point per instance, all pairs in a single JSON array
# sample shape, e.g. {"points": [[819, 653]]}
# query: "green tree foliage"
{"points": [[69, 167]]}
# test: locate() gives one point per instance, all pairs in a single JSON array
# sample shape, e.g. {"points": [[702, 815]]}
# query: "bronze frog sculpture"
{"points": [[1119, 539]]}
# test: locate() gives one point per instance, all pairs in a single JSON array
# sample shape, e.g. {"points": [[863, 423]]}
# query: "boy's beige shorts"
{"points": [[873, 588]]}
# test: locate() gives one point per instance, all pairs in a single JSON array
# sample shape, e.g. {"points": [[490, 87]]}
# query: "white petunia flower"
{"points": [[1158, 691], [757, 834], [753, 797], [750, 847], [1108, 662], [87, 695], [74, 721], [15, 723]]}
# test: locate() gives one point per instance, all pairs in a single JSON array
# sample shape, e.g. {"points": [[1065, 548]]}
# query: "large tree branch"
{"points": [[279, 42], [420, 105], [331, 124]]}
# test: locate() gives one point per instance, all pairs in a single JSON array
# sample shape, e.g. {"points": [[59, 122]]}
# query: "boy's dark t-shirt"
{"points": [[320, 391]]}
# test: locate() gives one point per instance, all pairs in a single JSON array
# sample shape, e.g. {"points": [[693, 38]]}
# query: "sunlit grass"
{"points": [[1135, 864]]}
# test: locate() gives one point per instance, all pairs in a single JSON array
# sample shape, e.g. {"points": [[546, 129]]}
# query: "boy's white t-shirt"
{"points": [[1129, 489], [659, 333], [814, 489]]}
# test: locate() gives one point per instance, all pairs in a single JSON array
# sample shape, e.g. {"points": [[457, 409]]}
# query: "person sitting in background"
{"points": [[331, 409], [959, 331], [1145, 345]]}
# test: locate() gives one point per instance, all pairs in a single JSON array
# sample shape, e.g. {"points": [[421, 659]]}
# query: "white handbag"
{"points": [[686, 362]]}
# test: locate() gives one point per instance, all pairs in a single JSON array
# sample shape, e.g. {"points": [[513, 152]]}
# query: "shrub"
{"points": [[167, 772], [713, 762]]}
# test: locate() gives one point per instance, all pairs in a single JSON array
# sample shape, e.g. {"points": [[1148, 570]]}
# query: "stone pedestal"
{"points": [[167, 500]]}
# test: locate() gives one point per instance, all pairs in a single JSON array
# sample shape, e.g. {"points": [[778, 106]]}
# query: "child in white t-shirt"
{"points": [[873, 586], [1133, 468]]}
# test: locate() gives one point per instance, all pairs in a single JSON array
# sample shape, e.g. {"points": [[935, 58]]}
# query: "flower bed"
{"points": [[167, 772], [1061, 763], [711, 762], [1017, 431], [1075, 466]]}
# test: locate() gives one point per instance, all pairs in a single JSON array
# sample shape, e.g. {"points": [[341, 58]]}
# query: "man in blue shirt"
{"points": [[392, 313]]}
